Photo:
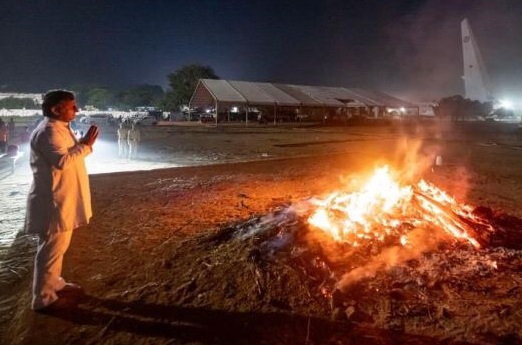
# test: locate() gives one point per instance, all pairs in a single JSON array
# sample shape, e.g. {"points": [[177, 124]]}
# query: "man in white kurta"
{"points": [[59, 199]]}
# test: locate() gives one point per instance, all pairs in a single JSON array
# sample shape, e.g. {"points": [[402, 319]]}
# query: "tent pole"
{"points": [[275, 114]]}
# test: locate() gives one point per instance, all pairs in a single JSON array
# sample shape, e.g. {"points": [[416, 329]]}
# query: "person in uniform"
{"points": [[59, 199], [122, 140], [12, 129], [133, 138], [3, 137]]}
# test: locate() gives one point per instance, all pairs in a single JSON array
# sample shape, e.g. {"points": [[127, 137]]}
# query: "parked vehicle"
{"points": [[99, 119], [207, 117], [147, 121]]}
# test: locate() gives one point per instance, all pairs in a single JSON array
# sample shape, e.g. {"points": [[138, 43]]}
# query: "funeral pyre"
{"points": [[394, 256]]}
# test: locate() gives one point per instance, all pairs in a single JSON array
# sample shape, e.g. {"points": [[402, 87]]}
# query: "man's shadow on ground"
{"points": [[210, 326]]}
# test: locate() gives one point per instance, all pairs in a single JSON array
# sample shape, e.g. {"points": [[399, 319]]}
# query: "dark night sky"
{"points": [[409, 48]]}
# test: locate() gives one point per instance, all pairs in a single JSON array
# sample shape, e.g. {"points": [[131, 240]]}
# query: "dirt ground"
{"points": [[196, 254]]}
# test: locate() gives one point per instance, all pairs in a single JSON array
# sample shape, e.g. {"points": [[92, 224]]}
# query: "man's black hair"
{"points": [[52, 98]]}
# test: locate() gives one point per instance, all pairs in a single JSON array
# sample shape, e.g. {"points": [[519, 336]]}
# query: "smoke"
{"points": [[418, 148], [419, 241], [409, 158], [414, 156], [426, 46], [279, 219]]}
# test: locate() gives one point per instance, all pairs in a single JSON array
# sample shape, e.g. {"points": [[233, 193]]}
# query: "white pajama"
{"points": [[133, 149], [133, 138], [122, 142], [47, 278], [122, 148]]}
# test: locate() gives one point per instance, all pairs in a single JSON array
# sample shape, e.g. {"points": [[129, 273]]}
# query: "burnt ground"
{"points": [[216, 254]]}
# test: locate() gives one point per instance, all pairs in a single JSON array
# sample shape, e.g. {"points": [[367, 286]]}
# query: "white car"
{"points": [[99, 119]]}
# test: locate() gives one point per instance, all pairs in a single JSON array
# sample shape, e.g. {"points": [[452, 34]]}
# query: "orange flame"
{"points": [[384, 208]]}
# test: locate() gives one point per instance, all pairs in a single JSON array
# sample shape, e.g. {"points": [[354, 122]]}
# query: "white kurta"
{"points": [[59, 195]]}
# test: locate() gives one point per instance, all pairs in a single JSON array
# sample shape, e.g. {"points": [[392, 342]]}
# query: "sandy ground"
{"points": [[161, 262]]}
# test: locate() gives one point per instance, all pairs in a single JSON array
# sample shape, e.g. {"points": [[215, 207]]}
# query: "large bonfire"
{"points": [[384, 208]]}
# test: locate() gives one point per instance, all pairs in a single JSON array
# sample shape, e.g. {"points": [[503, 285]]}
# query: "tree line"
{"points": [[182, 83], [459, 108]]}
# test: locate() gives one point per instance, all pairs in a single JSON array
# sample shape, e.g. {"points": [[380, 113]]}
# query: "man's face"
{"points": [[65, 110]]}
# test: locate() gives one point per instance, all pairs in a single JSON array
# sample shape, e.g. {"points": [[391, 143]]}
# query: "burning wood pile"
{"points": [[401, 257], [385, 210]]}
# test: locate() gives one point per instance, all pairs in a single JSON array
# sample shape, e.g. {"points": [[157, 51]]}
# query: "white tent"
{"points": [[222, 95]]}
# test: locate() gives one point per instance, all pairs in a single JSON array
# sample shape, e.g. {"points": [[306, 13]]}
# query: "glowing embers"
{"points": [[384, 209]]}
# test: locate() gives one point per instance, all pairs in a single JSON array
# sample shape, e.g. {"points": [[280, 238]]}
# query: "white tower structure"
{"points": [[476, 81]]}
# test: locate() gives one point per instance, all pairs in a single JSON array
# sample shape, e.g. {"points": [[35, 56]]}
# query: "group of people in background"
{"points": [[128, 139], [8, 136], [128, 134], [3, 137]]}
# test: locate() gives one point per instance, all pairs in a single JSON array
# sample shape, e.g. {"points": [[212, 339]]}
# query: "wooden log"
{"points": [[454, 218]]}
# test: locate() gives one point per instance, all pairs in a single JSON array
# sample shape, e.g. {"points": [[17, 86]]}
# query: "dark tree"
{"points": [[183, 83], [460, 108], [18, 103], [101, 98], [141, 96], [81, 92]]}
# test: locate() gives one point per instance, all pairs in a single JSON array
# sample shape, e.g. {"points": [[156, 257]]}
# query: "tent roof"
{"points": [[252, 92], [281, 98], [377, 98], [223, 91], [240, 93], [301, 97]]}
